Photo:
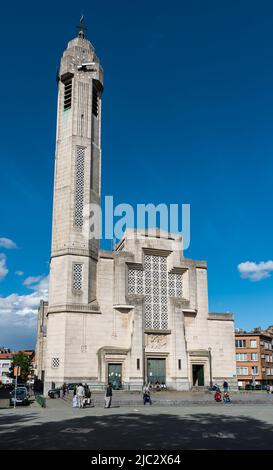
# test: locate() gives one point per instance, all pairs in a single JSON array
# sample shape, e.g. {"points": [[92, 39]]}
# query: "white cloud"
{"points": [[3, 266], [255, 271], [32, 281], [19, 273], [7, 243], [21, 310]]}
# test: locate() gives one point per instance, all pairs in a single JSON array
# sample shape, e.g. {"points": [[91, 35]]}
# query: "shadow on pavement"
{"points": [[138, 431]]}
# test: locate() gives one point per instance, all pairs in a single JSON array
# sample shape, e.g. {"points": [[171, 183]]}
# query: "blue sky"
{"points": [[187, 110]]}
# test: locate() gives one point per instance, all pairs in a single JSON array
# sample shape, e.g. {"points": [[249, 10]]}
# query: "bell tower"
{"points": [[77, 183]]}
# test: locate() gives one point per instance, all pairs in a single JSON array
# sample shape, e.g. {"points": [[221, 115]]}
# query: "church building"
{"points": [[138, 313]]}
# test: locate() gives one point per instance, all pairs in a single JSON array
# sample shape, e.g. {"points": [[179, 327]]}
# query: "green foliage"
{"points": [[41, 400], [22, 360]]}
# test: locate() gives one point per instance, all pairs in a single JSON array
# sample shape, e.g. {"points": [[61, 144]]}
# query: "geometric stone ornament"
{"points": [[157, 284]]}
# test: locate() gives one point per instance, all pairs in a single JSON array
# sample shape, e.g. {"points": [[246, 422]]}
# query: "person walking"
{"points": [[80, 394], [88, 395], [108, 396], [225, 385], [75, 402]]}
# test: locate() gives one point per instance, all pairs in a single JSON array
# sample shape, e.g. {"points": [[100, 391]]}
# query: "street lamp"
{"points": [[210, 369]]}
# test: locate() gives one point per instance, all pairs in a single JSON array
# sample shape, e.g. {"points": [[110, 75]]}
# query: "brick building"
{"points": [[254, 356]]}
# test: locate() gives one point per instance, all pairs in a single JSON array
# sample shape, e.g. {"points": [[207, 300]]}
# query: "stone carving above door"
{"points": [[156, 342]]}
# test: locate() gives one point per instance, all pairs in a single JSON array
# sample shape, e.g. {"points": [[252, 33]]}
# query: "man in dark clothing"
{"points": [[225, 386], [87, 395], [108, 396]]}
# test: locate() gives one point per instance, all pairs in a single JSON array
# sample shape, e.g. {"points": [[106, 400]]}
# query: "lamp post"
{"points": [[210, 369]]}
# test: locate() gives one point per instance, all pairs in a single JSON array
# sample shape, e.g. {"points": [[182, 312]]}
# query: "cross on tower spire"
{"points": [[81, 28]]}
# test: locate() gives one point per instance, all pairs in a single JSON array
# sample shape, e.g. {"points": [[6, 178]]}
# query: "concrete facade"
{"points": [[41, 343], [141, 308]]}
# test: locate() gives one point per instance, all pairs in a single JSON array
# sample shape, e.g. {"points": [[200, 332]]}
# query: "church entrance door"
{"points": [[198, 375], [115, 375], [156, 370]]}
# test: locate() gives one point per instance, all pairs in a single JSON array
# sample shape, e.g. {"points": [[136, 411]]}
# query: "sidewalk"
{"points": [[169, 398]]}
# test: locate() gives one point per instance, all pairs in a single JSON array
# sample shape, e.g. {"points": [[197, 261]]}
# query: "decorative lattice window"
{"points": [[77, 276], [156, 300], [136, 281], [55, 362], [175, 285], [79, 186], [156, 284]]}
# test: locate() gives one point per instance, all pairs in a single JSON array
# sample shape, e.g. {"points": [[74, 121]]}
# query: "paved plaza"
{"points": [[186, 421]]}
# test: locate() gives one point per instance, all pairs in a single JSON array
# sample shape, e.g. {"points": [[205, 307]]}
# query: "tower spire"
{"points": [[81, 28]]}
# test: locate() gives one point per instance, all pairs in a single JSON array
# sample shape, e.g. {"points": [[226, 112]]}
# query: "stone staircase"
{"points": [[198, 388]]}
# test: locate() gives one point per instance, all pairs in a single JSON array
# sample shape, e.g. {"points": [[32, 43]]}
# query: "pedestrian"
{"points": [[225, 385], [218, 396], [146, 394], [108, 396], [64, 389], [80, 395], [268, 388], [75, 402], [157, 386], [226, 398], [88, 395], [146, 388]]}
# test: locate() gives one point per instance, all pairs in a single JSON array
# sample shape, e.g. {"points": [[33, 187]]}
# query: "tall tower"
{"points": [[77, 183]]}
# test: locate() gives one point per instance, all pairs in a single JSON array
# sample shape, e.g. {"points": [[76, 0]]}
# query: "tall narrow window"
{"points": [[138, 364], [179, 364], [67, 94], [79, 186], [255, 370], [95, 101], [77, 276]]}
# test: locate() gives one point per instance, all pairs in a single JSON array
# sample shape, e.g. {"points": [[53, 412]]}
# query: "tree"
{"points": [[22, 360]]}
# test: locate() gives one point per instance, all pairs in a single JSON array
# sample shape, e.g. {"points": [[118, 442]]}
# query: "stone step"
{"points": [[165, 403], [200, 388]]}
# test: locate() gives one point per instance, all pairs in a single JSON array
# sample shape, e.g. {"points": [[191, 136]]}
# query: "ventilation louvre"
{"points": [[67, 94]]}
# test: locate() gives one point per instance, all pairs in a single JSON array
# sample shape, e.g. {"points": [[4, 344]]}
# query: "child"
{"points": [[218, 396], [75, 402], [227, 398]]}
